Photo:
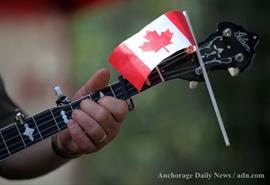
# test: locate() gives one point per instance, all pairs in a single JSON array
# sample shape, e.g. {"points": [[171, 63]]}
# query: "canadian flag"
{"points": [[137, 56]]}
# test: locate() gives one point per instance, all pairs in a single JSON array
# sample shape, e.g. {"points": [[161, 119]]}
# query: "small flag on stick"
{"points": [[137, 56]]}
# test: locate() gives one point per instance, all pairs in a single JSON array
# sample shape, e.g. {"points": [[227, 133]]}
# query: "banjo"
{"points": [[230, 48]]}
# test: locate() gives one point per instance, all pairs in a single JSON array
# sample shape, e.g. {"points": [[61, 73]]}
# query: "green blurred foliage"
{"points": [[174, 129]]}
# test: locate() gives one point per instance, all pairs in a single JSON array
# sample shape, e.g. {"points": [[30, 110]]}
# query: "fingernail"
{"points": [[85, 101], [103, 138], [100, 100], [75, 112], [71, 124]]}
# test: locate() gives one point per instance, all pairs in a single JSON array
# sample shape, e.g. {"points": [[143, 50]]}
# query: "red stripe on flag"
{"points": [[129, 65], [179, 20]]}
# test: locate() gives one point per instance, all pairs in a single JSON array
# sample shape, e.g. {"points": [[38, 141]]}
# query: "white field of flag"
{"points": [[151, 58]]}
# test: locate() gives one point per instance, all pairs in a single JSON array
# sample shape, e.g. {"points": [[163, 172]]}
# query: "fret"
{"points": [[12, 139], [95, 96], [107, 91], [34, 121], [71, 106], [63, 115], [46, 124], [112, 91], [117, 90], [160, 74], [3, 148], [89, 97], [5, 144], [153, 78], [75, 104], [120, 90], [20, 134], [54, 120], [132, 90]]}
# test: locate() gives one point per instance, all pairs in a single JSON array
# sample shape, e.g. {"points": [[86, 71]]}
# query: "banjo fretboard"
{"points": [[17, 136]]}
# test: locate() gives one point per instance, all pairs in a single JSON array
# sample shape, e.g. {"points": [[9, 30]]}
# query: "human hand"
{"points": [[96, 123]]}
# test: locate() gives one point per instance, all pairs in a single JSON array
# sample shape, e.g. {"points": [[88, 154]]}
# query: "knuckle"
{"points": [[77, 137], [78, 115], [74, 148], [105, 99], [114, 134], [85, 123], [120, 111], [102, 114], [85, 147], [84, 144], [73, 129], [84, 104], [122, 108], [113, 127], [81, 91], [97, 133], [118, 108]]}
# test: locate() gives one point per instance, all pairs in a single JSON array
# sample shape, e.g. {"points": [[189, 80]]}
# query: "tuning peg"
{"points": [[193, 84], [234, 71], [19, 117], [227, 32], [58, 91], [61, 98]]}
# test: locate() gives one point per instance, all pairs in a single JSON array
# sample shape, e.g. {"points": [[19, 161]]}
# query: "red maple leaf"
{"points": [[156, 41]]}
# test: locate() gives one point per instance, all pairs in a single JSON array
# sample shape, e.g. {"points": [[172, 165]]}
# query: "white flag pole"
{"points": [[208, 85]]}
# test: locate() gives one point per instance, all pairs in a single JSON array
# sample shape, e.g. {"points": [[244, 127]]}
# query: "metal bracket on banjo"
{"points": [[19, 118], [62, 99], [126, 94]]}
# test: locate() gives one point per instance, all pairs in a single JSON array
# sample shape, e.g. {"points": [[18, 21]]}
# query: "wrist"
{"points": [[59, 151]]}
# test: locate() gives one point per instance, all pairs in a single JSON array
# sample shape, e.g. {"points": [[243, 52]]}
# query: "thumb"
{"points": [[97, 82]]}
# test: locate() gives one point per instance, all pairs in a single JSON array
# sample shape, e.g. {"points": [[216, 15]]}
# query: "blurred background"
{"points": [[173, 129]]}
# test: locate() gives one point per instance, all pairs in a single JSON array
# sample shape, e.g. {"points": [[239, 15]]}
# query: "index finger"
{"points": [[118, 108], [97, 82]]}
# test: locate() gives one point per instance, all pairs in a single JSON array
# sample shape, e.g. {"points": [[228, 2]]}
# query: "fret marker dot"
{"points": [[101, 94], [64, 116], [28, 132]]}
